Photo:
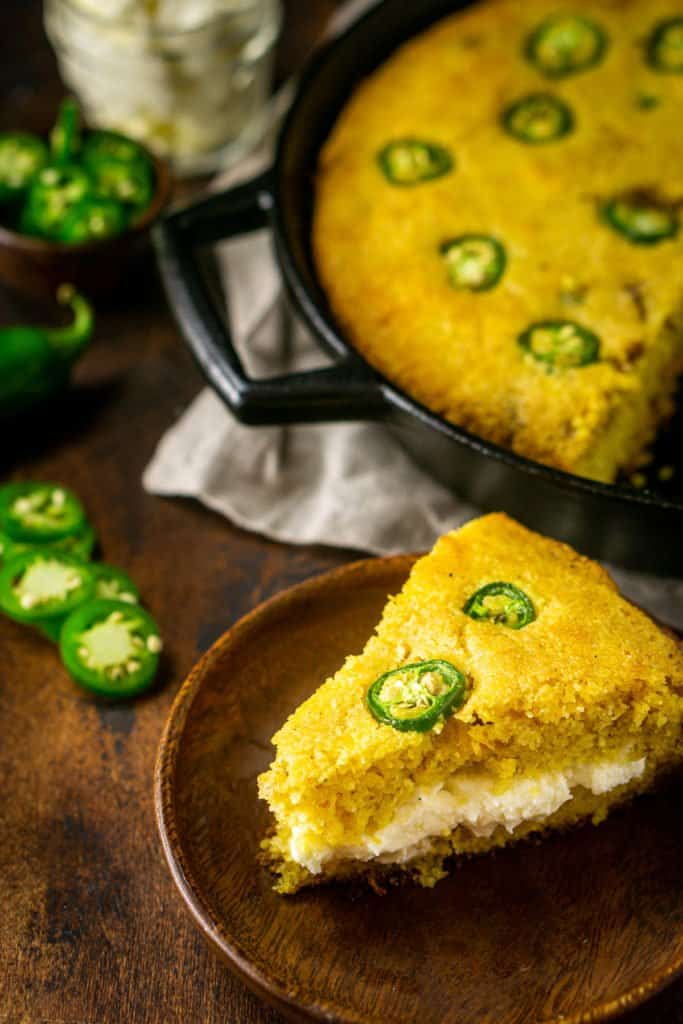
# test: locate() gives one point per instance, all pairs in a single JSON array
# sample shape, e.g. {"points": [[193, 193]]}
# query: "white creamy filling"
{"points": [[472, 799]]}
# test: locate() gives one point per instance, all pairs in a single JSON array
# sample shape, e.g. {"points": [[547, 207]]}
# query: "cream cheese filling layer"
{"points": [[472, 799]]}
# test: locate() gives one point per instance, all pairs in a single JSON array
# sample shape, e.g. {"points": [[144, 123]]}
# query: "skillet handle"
{"points": [[345, 391]]}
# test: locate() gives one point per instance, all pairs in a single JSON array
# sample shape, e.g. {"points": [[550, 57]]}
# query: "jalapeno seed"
{"points": [[564, 44], [417, 697], [561, 344], [474, 262], [641, 219], [503, 604], [413, 161], [664, 49], [538, 118]]}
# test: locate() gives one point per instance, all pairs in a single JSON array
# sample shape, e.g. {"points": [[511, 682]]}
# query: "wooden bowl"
{"points": [[36, 266], [575, 929]]}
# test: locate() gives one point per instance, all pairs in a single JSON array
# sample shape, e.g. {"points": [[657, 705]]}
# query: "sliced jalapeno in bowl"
{"points": [[130, 183], [21, 157], [538, 118], [474, 262], [114, 584], [564, 44], [53, 192], [65, 137], [415, 698], [664, 49], [501, 603], [641, 219], [413, 161], [105, 145], [40, 587], [560, 344], [111, 648], [91, 218], [39, 512]]}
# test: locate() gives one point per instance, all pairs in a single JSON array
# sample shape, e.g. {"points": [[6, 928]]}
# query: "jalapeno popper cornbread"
{"points": [[508, 689], [498, 224]]}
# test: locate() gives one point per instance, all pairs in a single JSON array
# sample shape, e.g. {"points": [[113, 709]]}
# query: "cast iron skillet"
{"points": [[636, 529]]}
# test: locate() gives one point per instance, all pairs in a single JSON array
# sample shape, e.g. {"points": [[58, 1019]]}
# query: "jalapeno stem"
{"points": [[69, 340]]}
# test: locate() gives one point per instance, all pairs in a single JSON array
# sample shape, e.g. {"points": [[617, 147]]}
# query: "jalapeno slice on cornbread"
{"points": [[564, 44], [560, 344], [501, 603], [414, 698], [640, 219], [538, 118], [413, 161], [474, 262], [664, 51]]}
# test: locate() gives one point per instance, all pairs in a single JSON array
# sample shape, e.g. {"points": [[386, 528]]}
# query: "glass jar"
{"points": [[189, 78]]}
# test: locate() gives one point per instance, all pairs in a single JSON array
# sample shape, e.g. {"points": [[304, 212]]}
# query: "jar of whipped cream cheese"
{"points": [[189, 78]]}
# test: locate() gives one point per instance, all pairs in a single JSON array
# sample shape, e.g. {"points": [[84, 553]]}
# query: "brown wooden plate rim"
{"points": [[258, 981]]}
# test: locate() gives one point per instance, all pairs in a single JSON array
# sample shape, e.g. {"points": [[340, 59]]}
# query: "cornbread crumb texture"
{"points": [[591, 677], [378, 245]]}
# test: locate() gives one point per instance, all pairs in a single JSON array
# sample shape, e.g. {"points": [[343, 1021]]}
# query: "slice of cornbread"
{"points": [[566, 700]]}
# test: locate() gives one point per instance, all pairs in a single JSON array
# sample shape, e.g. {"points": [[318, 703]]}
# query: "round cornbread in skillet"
{"points": [[498, 225]]}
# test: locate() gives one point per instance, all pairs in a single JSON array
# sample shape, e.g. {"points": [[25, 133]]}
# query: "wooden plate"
{"points": [[574, 929]]}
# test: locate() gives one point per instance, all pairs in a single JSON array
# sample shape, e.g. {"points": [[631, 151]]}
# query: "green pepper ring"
{"points": [[12, 524], [12, 607], [610, 216], [657, 37], [108, 145], [13, 183], [442, 707], [112, 583], [81, 545], [564, 125], [499, 259], [534, 40], [590, 351], [524, 602], [442, 161], [92, 614]]}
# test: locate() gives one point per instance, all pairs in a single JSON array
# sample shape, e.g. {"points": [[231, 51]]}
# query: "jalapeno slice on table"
{"points": [[39, 512], [641, 219], [501, 603], [564, 44], [415, 698], [65, 137], [664, 50], [538, 118], [21, 157], [92, 218], [42, 587], [111, 648], [51, 195], [114, 584], [413, 161], [474, 262], [562, 344]]}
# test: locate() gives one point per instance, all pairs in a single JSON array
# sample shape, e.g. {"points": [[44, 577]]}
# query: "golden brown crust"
{"points": [[377, 246]]}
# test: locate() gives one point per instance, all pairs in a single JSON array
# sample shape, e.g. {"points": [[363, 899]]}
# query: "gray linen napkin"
{"points": [[348, 485]]}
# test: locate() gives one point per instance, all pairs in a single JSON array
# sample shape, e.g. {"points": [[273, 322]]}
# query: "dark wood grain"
{"points": [[573, 929], [92, 930]]}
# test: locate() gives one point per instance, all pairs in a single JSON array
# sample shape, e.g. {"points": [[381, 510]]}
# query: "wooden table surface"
{"points": [[91, 930]]}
